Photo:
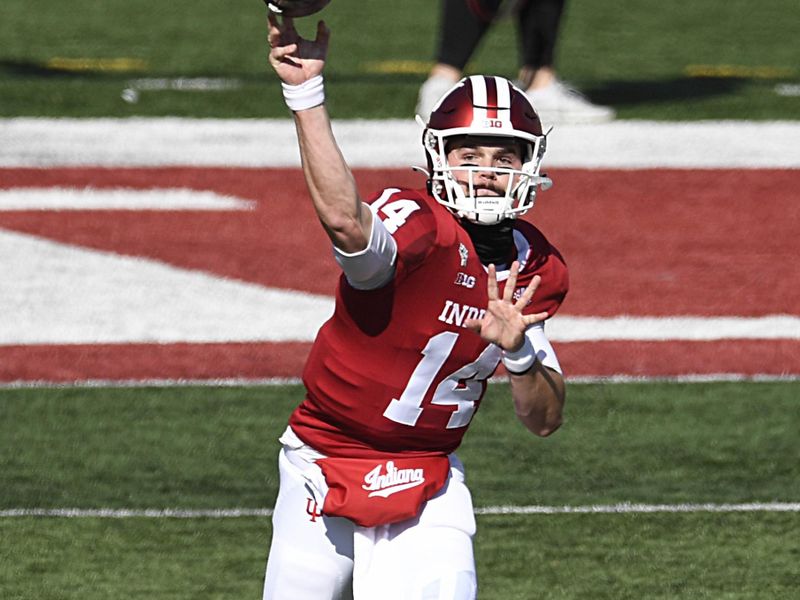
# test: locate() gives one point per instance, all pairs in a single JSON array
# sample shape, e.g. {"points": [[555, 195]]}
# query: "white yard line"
{"points": [[630, 508], [567, 328], [63, 198], [273, 381], [622, 508], [35, 142]]}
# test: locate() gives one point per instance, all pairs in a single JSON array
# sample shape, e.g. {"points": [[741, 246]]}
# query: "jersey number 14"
{"points": [[463, 388]]}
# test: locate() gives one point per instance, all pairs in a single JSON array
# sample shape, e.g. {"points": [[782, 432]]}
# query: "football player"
{"points": [[438, 287]]}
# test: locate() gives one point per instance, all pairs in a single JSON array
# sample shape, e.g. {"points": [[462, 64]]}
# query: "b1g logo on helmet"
{"points": [[494, 123]]}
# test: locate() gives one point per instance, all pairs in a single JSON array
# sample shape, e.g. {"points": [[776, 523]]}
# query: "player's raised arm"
{"points": [[299, 64]]}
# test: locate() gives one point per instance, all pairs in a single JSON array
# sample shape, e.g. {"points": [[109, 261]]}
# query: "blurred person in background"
{"points": [[463, 25]]}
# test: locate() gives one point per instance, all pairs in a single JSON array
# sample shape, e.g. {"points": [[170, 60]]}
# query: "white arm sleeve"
{"points": [[373, 266], [541, 346]]}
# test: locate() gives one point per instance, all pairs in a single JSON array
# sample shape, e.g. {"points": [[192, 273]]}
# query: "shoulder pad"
{"points": [[410, 218], [546, 261]]}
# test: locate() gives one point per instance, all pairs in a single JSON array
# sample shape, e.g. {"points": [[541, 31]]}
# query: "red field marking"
{"points": [[57, 363], [667, 242], [659, 242], [264, 360], [640, 242], [680, 358]]}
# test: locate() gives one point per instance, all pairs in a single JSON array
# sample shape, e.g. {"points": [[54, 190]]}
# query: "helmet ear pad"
{"points": [[491, 109]]}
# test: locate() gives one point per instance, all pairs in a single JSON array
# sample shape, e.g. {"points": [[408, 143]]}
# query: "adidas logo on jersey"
{"points": [[392, 481]]}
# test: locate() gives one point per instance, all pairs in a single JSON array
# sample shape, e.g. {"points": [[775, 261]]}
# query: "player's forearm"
{"points": [[330, 182], [538, 397]]}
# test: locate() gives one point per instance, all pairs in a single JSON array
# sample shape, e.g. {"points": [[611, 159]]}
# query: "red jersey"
{"points": [[395, 370]]}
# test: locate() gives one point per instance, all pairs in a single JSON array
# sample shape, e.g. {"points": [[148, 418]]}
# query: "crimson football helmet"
{"points": [[485, 107]]}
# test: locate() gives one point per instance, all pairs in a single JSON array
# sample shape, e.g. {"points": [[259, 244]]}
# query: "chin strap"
{"points": [[493, 243]]}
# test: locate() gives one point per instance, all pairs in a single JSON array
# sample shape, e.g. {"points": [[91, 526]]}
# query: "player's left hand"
{"points": [[504, 324], [295, 59]]}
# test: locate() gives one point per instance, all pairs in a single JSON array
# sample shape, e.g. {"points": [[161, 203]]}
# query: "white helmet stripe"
{"points": [[478, 98], [503, 100], [503, 92]]}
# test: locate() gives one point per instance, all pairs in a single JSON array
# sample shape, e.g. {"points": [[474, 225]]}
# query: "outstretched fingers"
{"points": [[511, 282], [525, 299], [528, 293], [535, 318], [503, 315], [491, 287]]}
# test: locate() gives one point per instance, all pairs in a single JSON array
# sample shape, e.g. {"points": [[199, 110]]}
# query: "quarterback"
{"points": [[438, 286]]}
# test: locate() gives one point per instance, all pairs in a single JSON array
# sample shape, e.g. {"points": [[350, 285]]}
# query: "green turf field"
{"points": [[215, 448], [677, 60]]}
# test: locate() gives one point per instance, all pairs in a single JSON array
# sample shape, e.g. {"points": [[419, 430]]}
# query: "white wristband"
{"points": [[308, 94], [520, 361]]}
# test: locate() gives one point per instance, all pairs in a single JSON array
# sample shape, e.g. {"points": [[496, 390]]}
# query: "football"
{"points": [[296, 8]]}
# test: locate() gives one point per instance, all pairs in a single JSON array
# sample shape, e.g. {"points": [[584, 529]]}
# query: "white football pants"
{"points": [[313, 557]]}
